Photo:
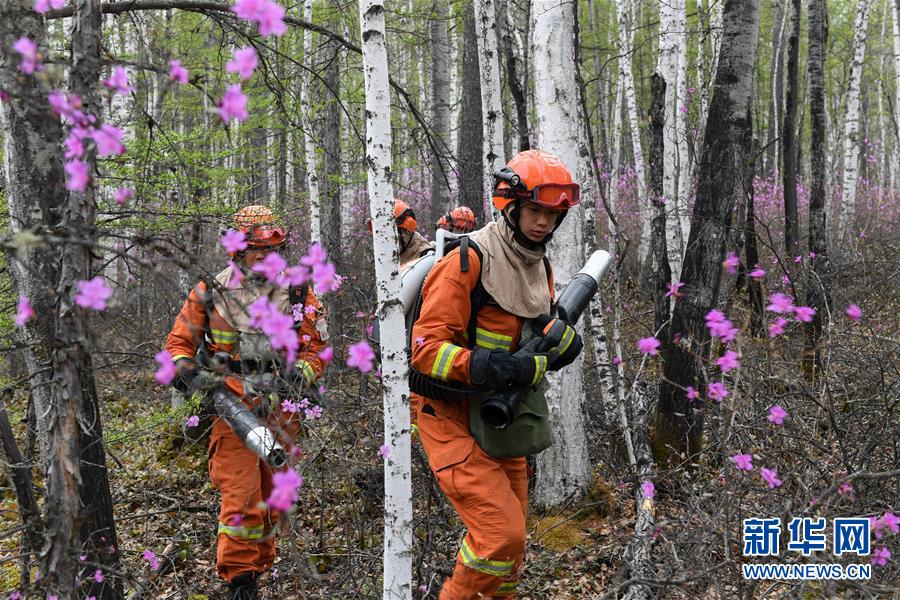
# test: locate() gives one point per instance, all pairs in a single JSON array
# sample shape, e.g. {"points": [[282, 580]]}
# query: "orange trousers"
{"points": [[246, 536], [490, 496]]}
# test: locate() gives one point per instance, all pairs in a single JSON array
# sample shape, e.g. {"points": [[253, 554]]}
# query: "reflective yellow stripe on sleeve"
{"points": [[507, 588], [444, 359], [540, 367], [308, 372], [241, 532], [220, 336], [492, 341], [498, 568], [177, 356]]}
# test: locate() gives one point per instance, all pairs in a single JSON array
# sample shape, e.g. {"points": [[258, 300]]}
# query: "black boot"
{"points": [[243, 587]]}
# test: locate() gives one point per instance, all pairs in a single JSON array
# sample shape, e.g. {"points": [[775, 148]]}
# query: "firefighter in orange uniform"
{"points": [[246, 542], [533, 193], [412, 244], [458, 220]]}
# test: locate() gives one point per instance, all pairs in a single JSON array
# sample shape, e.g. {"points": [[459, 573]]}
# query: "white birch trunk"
{"points": [[614, 158], [851, 123], [312, 177], [563, 470], [454, 94], [397, 582], [626, 75], [683, 168], [491, 108], [670, 41]]}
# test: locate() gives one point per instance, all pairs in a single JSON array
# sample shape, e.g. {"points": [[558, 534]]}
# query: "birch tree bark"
{"points": [[851, 123], [817, 287], [491, 107], [331, 145], [397, 582], [671, 42], [312, 176], [563, 470], [895, 155], [776, 107], [679, 425], [512, 52], [440, 107], [788, 136]]}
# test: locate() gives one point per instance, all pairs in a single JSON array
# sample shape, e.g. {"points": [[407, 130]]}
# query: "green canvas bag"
{"points": [[529, 433]]}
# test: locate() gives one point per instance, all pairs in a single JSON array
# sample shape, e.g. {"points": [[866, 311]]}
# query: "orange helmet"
{"points": [[458, 220], [404, 216], [537, 176], [259, 227]]}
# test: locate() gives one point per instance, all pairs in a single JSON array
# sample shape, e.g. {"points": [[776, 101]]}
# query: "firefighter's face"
{"points": [[536, 221], [251, 257]]}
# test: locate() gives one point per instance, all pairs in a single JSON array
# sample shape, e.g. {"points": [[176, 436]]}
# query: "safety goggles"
{"points": [[561, 196], [267, 235]]}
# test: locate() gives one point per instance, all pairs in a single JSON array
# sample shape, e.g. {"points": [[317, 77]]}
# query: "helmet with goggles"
{"points": [[458, 220], [536, 176], [259, 226]]}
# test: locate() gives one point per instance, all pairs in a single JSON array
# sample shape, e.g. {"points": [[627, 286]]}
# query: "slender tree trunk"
{"points": [[679, 425], [788, 132], [312, 176], [895, 155], [440, 107], [397, 579], [512, 51], [851, 124], [471, 132], [491, 107], [773, 158], [818, 283], [563, 469], [331, 145], [671, 40]]}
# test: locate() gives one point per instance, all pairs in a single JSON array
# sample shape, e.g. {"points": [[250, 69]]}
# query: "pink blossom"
{"points": [[296, 275], [757, 273], [270, 266], [233, 241], [771, 477], [384, 451], [166, 372], [323, 277], [314, 256], [776, 415], [798, 259], [309, 309], [98, 576], [853, 312], [891, 521], [193, 421], [804, 313], [108, 140], [31, 60], [150, 557], [717, 391], [780, 304], [236, 278], [123, 195], [776, 328], [285, 486], [744, 462], [714, 316], [648, 345], [731, 262], [845, 489], [24, 312], [93, 293], [420, 340], [648, 489], [118, 81], [178, 73], [691, 393], [268, 15], [728, 362], [244, 62], [673, 289], [75, 142], [327, 355], [44, 6], [288, 405], [77, 175], [313, 413], [361, 356], [233, 104], [617, 360], [881, 556]]}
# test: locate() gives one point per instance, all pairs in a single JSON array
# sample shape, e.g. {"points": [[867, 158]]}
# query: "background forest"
{"points": [[739, 159]]}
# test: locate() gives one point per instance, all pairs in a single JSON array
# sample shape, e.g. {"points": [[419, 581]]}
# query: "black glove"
{"points": [[499, 369], [566, 343], [186, 370]]}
